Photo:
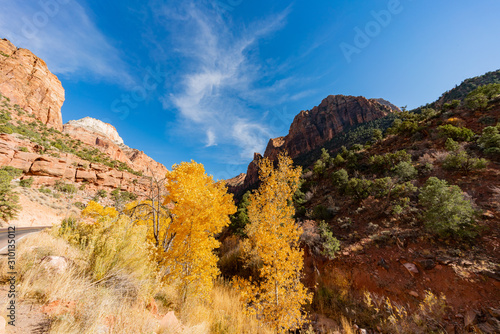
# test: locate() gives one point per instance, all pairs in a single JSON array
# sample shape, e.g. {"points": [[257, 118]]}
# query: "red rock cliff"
{"points": [[310, 129], [26, 81]]}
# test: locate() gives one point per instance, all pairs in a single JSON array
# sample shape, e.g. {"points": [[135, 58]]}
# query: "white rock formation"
{"points": [[97, 126]]}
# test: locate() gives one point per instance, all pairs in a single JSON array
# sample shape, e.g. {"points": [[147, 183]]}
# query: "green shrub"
{"points": [[488, 120], [26, 183], [23, 149], [121, 197], [427, 168], [451, 105], [447, 212], [490, 139], [463, 161], [331, 245], [8, 199], [319, 167], [451, 145], [405, 171], [13, 172], [350, 157], [240, 220], [339, 160], [381, 163], [299, 199], [377, 135], [427, 113], [456, 133], [102, 193], [340, 179], [325, 156], [356, 147], [359, 188], [65, 187], [44, 190], [381, 187], [402, 190], [478, 99], [407, 127], [5, 128], [79, 205]]}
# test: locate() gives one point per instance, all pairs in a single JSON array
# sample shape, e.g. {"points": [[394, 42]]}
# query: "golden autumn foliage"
{"points": [[183, 227], [96, 210], [278, 295], [112, 244]]}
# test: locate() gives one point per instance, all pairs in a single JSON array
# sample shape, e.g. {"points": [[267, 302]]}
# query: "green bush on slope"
{"points": [[447, 212]]}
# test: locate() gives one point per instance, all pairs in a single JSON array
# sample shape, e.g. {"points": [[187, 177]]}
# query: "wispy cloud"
{"points": [[219, 92], [62, 33]]}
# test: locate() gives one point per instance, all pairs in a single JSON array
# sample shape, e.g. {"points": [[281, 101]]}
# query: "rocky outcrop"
{"points": [[95, 127], [310, 129], [142, 162], [47, 170], [236, 183], [105, 137], [252, 175], [27, 82], [387, 104]]}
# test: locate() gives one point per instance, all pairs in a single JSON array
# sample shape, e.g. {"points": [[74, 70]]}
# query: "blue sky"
{"points": [[214, 80]]}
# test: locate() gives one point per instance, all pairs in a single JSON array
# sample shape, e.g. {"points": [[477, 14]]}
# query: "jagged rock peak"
{"points": [[335, 114], [387, 103], [97, 126], [310, 129]]}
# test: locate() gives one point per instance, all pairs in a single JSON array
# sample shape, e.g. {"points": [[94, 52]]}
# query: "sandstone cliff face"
{"points": [[142, 162], [252, 175], [310, 129], [26, 81], [47, 170]]}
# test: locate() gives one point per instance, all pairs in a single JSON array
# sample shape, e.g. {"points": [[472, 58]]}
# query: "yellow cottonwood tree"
{"points": [[194, 209], [156, 215], [278, 295]]}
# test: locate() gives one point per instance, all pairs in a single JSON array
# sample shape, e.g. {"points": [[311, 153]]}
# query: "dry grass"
{"points": [[103, 307], [440, 156], [99, 308], [347, 326], [222, 313]]}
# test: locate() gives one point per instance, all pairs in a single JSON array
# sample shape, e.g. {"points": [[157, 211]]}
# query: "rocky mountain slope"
{"points": [[401, 231], [85, 153], [459, 92], [311, 129], [27, 82]]}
